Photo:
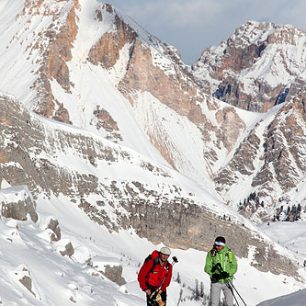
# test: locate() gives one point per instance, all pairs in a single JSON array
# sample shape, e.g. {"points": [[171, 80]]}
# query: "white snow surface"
{"points": [[292, 235]]}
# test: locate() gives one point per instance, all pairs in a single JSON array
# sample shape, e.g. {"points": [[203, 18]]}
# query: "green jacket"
{"points": [[226, 259]]}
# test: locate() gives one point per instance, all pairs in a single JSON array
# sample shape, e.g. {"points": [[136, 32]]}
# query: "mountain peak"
{"points": [[252, 32], [261, 65]]}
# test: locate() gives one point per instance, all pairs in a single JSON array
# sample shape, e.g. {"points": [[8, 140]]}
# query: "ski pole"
{"points": [[231, 288], [232, 285]]}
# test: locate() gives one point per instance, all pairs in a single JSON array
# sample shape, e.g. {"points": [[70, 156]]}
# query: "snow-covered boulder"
{"points": [[17, 203]]}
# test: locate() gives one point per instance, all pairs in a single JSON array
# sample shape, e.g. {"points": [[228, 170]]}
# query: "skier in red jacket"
{"points": [[155, 276]]}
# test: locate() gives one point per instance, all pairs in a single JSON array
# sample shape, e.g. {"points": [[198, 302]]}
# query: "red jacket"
{"points": [[148, 279]]}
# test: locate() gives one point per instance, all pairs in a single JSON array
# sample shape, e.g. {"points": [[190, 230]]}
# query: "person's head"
{"points": [[164, 253], [219, 243]]}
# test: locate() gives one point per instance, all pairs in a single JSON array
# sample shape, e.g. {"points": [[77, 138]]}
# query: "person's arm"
{"points": [[143, 272], [233, 265], [208, 264], [168, 279]]}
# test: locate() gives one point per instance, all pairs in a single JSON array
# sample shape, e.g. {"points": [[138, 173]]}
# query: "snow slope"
{"points": [[56, 280], [291, 235]]}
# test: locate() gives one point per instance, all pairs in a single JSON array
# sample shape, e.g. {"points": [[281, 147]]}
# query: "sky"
{"points": [[193, 25]]}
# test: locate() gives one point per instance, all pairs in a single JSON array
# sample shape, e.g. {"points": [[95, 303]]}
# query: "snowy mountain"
{"points": [[259, 66], [141, 95], [110, 146]]}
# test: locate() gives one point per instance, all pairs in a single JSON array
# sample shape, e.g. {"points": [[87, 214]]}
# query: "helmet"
{"points": [[165, 251]]}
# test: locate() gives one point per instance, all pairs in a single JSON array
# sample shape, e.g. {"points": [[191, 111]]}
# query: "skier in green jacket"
{"points": [[221, 265]]}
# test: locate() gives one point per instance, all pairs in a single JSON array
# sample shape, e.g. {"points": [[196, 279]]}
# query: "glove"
{"points": [[215, 278], [224, 275], [216, 267]]}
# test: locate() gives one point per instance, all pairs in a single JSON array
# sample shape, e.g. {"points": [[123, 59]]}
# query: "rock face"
{"points": [[54, 57], [107, 50], [196, 227], [259, 66]]}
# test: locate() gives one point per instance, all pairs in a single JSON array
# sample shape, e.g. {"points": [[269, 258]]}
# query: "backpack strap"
{"points": [[230, 255], [155, 262]]}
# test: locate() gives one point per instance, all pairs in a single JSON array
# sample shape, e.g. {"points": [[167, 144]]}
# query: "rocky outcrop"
{"points": [[53, 225], [106, 122], [106, 51], [54, 57], [67, 250], [114, 273], [19, 210], [285, 142], [192, 226], [24, 277], [230, 127], [176, 93]]}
